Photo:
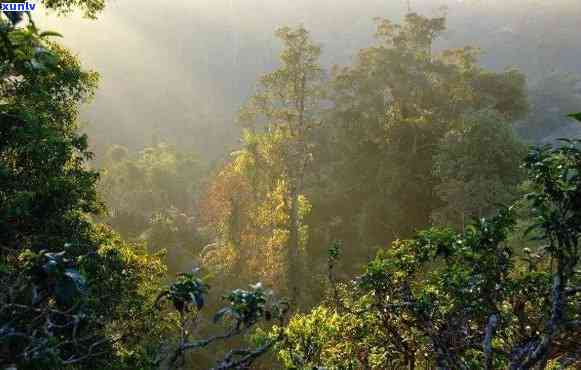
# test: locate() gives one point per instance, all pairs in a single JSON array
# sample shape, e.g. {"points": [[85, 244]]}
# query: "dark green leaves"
{"points": [[69, 287], [53, 274], [576, 116], [556, 195], [245, 306], [335, 250], [186, 292]]}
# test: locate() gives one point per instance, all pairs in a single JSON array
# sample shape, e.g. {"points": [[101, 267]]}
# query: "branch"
{"points": [[573, 290], [540, 351], [487, 343], [74, 360], [248, 356], [205, 342], [184, 346]]}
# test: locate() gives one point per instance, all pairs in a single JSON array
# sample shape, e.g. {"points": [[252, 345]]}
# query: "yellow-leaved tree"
{"points": [[261, 189]]}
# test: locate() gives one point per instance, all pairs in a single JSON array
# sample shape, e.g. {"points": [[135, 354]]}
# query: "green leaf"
{"points": [[17, 37], [575, 116], [77, 278], [530, 229], [198, 299], [220, 314], [50, 34], [65, 292]]}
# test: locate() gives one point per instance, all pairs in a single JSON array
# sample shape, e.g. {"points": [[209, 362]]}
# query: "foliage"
{"points": [[266, 213], [188, 290], [287, 103], [406, 134], [45, 184], [463, 300], [576, 116], [245, 309], [389, 122], [152, 197], [396, 141], [57, 266], [477, 166]]}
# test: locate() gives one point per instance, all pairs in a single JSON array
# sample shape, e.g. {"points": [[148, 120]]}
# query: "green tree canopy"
{"points": [[463, 300]]}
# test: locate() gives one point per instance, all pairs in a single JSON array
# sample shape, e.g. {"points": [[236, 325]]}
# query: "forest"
{"points": [[338, 185]]}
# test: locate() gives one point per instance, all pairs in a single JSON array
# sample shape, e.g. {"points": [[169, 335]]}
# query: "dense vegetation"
{"points": [[389, 208]]}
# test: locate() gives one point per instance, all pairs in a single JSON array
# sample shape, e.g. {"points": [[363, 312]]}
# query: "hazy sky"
{"points": [[191, 63]]}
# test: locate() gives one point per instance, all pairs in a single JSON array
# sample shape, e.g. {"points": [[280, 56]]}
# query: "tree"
{"points": [[152, 197], [56, 266], [245, 310], [45, 184], [281, 115], [478, 167], [247, 208], [464, 300], [389, 112]]}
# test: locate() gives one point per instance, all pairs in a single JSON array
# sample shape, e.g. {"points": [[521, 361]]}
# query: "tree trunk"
{"points": [[293, 245], [235, 235], [410, 359]]}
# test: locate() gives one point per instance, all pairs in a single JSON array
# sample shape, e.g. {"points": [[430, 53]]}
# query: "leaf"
{"points": [[530, 229], [51, 267], [77, 278], [65, 292], [163, 294], [36, 65], [17, 37], [199, 299], [220, 314], [50, 34], [575, 116], [46, 57]]}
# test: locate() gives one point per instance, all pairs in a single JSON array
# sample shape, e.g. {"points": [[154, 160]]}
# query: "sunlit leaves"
{"points": [[432, 298], [90, 8], [72, 304]]}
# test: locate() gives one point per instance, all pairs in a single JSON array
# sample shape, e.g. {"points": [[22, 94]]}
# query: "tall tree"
{"points": [[56, 266], [390, 110], [287, 101]]}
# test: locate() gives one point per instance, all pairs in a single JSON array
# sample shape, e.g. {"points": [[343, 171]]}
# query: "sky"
{"points": [[190, 64]]}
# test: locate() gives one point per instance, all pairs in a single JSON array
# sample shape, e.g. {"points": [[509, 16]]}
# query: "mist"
{"points": [[308, 184], [182, 71]]}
